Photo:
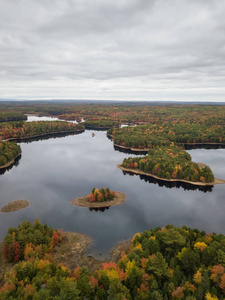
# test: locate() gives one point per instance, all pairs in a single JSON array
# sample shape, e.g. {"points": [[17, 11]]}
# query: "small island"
{"points": [[103, 197], [14, 205]]}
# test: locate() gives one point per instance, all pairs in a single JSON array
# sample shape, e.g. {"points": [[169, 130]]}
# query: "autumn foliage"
{"points": [[30, 240], [171, 162], [8, 151], [163, 263], [101, 195]]}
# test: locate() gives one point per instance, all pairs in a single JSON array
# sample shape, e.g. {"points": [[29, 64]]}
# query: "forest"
{"points": [[11, 116], [101, 124], [149, 136], [162, 263], [123, 113]]}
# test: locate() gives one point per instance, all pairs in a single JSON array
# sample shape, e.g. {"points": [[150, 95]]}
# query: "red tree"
{"points": [[16, 251]]}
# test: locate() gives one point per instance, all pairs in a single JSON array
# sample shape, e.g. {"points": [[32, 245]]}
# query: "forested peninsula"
{"points": [[161, 263], [171, 164]]}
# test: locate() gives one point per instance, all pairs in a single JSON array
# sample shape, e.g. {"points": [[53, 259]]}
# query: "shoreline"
{"points": [[145, 150], [41, 135], [83, 201], [11, 162], [71, 252], [198, 183], [97, 128], [132, 149]]}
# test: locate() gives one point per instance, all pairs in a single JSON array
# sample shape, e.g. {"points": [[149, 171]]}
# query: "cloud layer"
{"points": [[121, 49]]}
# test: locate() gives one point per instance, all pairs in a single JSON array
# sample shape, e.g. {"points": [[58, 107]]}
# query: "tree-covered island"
{"points": [[103, 197]]}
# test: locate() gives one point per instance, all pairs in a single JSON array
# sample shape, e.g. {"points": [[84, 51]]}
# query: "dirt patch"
{"points": [[121, 247], [83, 201], [201, 165], [14, 205], [70, 252]]}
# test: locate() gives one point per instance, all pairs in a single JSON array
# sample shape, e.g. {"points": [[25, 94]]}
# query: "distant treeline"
{"points": [[106, 124], [133, 114], [12, 116], [19, 130]]}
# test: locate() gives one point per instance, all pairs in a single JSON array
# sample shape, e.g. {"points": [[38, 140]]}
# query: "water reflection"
{"points": [[32, 118], [172, 184], [128, 151], [99, 209], [47, 136], [204, 146], [15, 164], [187, 147]]}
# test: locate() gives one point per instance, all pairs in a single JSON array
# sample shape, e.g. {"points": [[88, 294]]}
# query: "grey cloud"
{"points": [[112, 49]]}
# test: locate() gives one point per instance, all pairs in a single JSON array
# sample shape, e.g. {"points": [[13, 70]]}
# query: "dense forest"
{"points": [[149, 136], [170, 163], [123, 113], [163, 263], [8, 151], [101, 124]]}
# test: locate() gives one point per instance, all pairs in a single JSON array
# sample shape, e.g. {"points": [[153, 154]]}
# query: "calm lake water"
{"points": [[54, 171]]}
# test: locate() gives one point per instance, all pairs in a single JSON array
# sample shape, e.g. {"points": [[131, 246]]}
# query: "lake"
{"points": [[54, 171]]}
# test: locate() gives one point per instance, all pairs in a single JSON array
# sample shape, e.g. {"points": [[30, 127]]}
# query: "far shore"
{"points": [[98, 128], [83, 201], [145, 150], [133, 149], [198, 183], [42, 135], [11, 162]]}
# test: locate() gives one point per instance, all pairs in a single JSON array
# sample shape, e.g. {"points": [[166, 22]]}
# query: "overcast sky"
{"points": [[118, 49]]}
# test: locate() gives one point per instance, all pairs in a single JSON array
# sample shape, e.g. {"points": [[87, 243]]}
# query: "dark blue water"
{"points": [[53, 172]]}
